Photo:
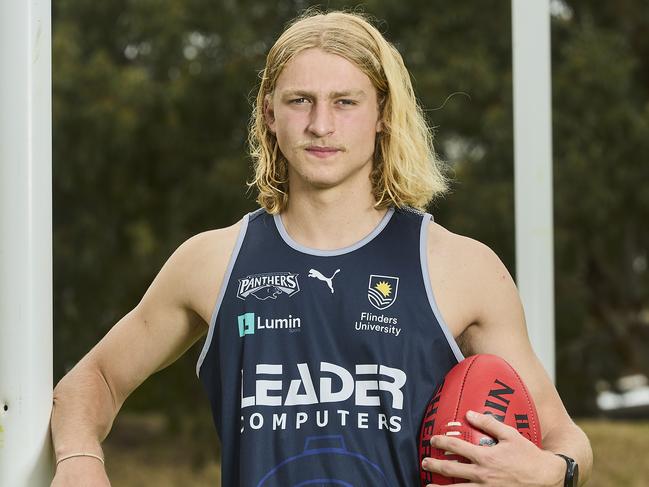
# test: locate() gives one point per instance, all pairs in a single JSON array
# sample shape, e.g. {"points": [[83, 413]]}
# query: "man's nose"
{"points": [[322, 121]]}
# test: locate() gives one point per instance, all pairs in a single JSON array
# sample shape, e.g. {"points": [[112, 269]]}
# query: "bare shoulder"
{"points": [[199, 265], [462, 271], [479, 285], [460, 249], [211, 246]]}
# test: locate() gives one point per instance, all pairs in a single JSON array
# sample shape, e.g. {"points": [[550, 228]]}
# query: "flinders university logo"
{"points": [[382, 291], [268, 285]]}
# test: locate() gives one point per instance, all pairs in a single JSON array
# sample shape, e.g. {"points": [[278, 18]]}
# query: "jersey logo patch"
{"points": [[382, 291], [268, 285], [249, 322], [329, 280]]}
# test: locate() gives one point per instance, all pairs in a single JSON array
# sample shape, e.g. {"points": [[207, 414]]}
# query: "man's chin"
{"points": [[328, 178], [318, 180], [323, 184]]}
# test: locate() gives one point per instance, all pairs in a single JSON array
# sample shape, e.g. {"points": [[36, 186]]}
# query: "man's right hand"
{"points": [[80, 472]]}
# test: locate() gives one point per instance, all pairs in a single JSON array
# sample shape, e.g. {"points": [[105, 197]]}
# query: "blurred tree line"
{"points": [[151, 105]]}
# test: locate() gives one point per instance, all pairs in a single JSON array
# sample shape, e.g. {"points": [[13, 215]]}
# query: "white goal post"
{"points": [[25, 243], [533, 172]]}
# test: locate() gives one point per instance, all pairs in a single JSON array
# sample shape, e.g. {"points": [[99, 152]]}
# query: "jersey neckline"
{"points": [[327, 253]]}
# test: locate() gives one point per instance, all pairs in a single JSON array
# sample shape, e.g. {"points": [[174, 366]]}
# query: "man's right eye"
{"points": [[298, 101]]}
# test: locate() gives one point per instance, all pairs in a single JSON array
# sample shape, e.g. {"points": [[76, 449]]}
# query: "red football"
{"points": [[482, 383]]}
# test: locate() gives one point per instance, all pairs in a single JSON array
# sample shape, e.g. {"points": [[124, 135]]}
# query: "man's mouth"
{"points": [[322, 151]]}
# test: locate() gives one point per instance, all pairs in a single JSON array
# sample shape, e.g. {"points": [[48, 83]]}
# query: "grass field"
{"points": [[142, 452]]}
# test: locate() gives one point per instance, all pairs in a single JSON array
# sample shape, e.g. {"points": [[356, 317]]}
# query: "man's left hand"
{"points": [[514, 461]]}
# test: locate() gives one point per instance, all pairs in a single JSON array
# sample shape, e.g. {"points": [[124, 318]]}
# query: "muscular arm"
{"points": [[491, 307], [168, 320], [500, 329]]}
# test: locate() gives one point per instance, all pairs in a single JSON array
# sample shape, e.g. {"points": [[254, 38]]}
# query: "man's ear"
{"points": [[379, 126], [269, 112]]}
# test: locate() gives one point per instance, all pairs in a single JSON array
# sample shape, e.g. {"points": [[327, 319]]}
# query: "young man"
{"points": [[334, 310]]}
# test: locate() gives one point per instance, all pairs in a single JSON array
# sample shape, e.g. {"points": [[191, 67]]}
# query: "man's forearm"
{"points": [[572, 441], [83, 412]]}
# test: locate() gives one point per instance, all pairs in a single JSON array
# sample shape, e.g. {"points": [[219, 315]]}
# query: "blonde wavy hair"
{"points": [[406, 171]]}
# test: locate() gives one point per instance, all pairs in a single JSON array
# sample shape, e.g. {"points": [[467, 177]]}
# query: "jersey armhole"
{"points": [[224, 286], [423, 257]]}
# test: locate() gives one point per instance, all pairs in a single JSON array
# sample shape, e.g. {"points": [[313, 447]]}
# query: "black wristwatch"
{"points": [[572, 471]]}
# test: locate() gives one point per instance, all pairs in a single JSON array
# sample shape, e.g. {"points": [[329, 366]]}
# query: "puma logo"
{"points": [[328, 280]]}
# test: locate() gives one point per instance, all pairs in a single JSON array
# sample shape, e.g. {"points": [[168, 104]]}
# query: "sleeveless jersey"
{"points": [[319, 364]]}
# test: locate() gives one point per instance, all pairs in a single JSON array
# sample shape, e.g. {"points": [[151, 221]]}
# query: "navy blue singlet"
{"points": [[319, 364]]}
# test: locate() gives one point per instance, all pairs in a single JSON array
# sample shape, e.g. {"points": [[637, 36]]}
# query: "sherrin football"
{"points": [[483, 383]]}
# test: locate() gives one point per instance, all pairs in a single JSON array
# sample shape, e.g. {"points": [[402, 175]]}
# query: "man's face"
{"points": [[325, 116]]}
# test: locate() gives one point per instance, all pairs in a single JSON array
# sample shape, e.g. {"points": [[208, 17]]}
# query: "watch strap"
{"points": [[572, 472]]}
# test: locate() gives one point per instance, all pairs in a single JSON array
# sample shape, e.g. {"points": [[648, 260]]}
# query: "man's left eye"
{"points": [[347, 102]]}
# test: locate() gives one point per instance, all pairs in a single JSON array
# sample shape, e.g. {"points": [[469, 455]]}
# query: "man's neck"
{"points": [[330, 219]]}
